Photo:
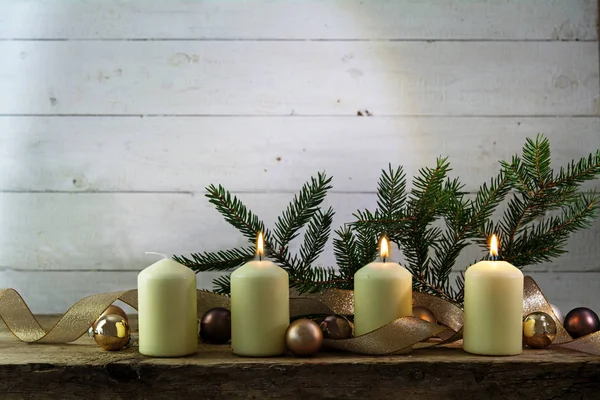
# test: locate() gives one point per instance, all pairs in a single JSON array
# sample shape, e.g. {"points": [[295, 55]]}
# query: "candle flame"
{"points": [[384, 249], [260, 245], [494, 246]]}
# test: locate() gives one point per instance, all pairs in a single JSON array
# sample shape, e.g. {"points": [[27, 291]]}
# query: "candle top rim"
{"points": [[167, 267], [491, 267]]}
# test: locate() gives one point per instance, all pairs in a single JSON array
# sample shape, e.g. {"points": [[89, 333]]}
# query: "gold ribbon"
{"points": [[399, 336], [534, 300]]}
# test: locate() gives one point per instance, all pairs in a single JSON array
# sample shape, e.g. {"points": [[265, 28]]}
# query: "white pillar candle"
{"points": [[167, 310], [382, 293], [260, 309], [493, 307]]}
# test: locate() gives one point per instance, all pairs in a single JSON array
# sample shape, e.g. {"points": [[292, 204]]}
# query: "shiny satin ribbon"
{"points": [[399, 336]]}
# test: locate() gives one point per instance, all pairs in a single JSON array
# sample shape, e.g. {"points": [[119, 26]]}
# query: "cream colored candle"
{"points": [[167, 310], [493, 307], [260, 308], [382, 293]]}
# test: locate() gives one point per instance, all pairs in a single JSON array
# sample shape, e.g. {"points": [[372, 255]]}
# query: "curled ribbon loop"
{"points": [[534, 300], [397, 337], [71, 326]]}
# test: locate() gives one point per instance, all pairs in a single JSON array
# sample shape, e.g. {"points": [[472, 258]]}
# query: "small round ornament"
{"points": [[303, 337], [112, 309], [558, 313], [336, 327], [215, 326], [111, 332], [539, 330], [581, 321], [424, 313]]}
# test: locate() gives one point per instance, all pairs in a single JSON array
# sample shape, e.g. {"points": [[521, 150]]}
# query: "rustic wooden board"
{"points": [[299, 78], [82, 370], [265, 153], [112, 231], [313, 19]]}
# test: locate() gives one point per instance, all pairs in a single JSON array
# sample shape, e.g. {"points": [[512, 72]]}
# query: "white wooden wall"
{"points": [[114, 116]]}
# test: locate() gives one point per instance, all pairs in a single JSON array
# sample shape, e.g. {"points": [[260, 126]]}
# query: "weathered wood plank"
{"points": [[430, 19], [112, 231], [74, 371], [53, 292], [299, 78], [272, 154]]}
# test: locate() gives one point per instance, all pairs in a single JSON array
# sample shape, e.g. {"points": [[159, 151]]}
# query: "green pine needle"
{"points": [[303, 206], [432, 223], [217, 261]]}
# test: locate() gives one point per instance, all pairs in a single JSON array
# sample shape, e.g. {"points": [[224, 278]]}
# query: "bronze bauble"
{"points": [[303, 337], [112, 309], [111, 332], [215, 326], [539, 330], [581, 321], [336, 327], [425, 314]]}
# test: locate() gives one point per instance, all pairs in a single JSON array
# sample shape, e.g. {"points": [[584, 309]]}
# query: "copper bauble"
{"points": [[215, 326], [336, 327], [539, 330], [303, 337], [581, 321], [111, 332], [112, 309], [424, 313]]}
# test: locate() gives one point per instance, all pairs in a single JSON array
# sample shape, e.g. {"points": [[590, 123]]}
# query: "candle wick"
{"points": [[157, 254], [384, 259], [260, 257]]}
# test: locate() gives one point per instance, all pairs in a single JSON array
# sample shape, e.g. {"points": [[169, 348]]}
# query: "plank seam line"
{"points": [[202, 193], [216, 39], [187, 193], [10, 269], [300, 116]]}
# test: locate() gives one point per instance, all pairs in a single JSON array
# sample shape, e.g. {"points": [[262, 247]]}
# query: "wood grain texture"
{"points": [[185, 154], [218, 61], [112, 231], [300, 78], [342, 19], [81, 370]]}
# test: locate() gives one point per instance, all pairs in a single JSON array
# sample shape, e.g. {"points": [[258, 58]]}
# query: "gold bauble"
{"points": [[303, 337], [425, 314], [111, 332], [539, 330], [112, 309]]}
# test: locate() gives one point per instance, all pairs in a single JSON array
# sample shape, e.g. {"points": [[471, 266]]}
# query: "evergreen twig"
{"points": [[543, 211]]}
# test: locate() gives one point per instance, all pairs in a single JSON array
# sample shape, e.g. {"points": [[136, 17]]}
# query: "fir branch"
{"points": [[422, 205], [217, 261], [391, 192], [315, 237], [542, 195], [345, 251], [547, 239], [303, 206], [317, 278], [577, 173], [235, 212], [222, 285], [527, 235]]}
